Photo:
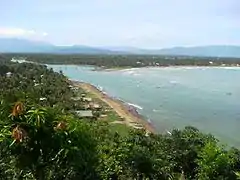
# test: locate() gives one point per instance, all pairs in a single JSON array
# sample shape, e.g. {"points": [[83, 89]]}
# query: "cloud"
{"points": [[45, 34], [16, 32]]}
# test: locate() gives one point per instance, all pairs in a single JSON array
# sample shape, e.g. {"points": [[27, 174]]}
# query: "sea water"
{"points": [[174, 97]]}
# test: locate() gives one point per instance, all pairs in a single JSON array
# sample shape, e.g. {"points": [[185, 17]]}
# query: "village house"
{"points": [[94, 106], [83, 95], [86, 99], [9, 74], [18, 60], [42, 99], [84, 113]]}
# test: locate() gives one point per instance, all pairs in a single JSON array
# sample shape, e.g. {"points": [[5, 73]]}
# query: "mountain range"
{"points": [[12, 45]]}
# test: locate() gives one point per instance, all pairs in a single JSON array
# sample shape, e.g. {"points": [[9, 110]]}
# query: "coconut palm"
{"points": [[37, 116]]}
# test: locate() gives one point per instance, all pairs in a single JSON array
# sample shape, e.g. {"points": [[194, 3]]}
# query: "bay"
{"points": [[174, 97]]}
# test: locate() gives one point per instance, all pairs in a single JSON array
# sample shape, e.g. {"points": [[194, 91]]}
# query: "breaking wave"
{"points": [[135, 105]]}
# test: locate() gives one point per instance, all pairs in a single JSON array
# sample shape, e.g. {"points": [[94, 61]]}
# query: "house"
{"points": [[84, 113], [42, 99], [87, 99], [9, 74], [18, 60], [103, 116], [94, 106], [75, 88], [76, 98], [83, 95]]}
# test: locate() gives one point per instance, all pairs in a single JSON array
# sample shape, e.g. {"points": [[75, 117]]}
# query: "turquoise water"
{"points": [[207, 98]]}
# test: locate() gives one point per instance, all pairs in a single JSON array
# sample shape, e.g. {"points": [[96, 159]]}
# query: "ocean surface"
{"points": [[174, 97]]}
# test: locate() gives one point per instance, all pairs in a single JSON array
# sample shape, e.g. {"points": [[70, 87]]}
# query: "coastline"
{"points": [[165, 67], [129, 113]]}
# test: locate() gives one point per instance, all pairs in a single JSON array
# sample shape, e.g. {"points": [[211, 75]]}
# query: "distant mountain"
{"points": [[22, 45], [126, 49], [208, 51], [26, 46], [77, 49], [211, 51]]}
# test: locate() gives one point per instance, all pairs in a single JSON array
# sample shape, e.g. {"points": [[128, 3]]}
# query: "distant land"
{"points": [[13, 45]]}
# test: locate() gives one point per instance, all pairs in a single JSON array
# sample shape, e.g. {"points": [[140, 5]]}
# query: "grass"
{"points": [[111, 116], [122, 129]]}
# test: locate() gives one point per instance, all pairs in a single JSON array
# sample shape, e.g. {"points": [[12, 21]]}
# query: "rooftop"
{"points": [[84, 113]]}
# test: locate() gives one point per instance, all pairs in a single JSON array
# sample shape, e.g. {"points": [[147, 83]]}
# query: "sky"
{"points": [[135, 23]]}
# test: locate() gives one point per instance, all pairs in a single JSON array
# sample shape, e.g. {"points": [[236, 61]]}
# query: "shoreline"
{"points": [[163, 67], [129, 113]]}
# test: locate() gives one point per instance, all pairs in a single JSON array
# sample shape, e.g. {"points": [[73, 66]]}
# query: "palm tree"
{"points": [[37, 116]]}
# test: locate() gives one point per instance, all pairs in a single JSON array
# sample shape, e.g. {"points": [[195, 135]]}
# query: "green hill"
{"points": [[42, 138]]}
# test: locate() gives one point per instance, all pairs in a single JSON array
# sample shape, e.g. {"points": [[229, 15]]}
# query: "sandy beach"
{"points": [[122, 110]]}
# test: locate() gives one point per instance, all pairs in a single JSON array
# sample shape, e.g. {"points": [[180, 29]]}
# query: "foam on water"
{"points": [[135, 105]]}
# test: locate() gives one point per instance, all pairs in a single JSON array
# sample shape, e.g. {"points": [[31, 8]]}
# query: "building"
{"points": [[84, 113], [86, 99], [20, 60], [74, 88], [9, 74], [94, 106], [83, 95]]}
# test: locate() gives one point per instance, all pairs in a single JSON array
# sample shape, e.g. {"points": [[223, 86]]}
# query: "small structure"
{"points": [[9, 74], [83, 113], [20, 60], [86, 99], [76, 98], [42, 99], [103, 115], [75, 88], [83, 95], [94, 106]]}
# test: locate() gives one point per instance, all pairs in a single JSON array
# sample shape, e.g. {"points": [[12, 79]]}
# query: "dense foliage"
{"points": [[43, 140], [110, 61]]}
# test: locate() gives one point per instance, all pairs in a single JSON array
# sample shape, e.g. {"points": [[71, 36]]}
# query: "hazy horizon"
{"points": [[147, 24]]}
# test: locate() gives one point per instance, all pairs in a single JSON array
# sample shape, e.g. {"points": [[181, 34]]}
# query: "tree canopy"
{"points": [[42, 139], [113, 61]]}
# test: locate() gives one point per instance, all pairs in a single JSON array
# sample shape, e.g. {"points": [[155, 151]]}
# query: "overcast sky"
{"points": [[140, 23]]}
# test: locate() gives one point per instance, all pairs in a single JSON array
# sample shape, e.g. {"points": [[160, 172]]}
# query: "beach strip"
{"points": [[130, 119]]}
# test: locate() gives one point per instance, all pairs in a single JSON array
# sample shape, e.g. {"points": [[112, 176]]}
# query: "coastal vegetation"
{"points": [[126, 61], [41, 136]]}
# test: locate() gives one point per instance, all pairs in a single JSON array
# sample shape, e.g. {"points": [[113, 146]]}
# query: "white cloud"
{"points": [[16, 32], [45, 34]]}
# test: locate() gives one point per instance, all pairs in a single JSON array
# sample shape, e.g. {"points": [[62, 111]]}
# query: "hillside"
{"points": [[210, 51], [42, 138], [26, 46]]}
